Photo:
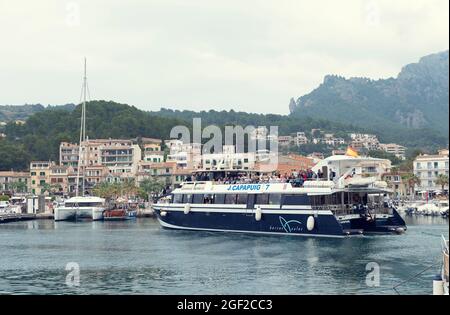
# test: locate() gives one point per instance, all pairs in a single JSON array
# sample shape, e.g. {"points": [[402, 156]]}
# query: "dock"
{"points": [[11, 217]]}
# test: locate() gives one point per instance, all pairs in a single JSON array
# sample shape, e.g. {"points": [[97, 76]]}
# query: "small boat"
{"points": [[115, 215]]}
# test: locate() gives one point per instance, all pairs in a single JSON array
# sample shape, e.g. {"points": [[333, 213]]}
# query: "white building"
{"points": [[186, 155], [301, 139], [153, 152], [428, 168], [395, 149], [364, 140], [229, 160]]}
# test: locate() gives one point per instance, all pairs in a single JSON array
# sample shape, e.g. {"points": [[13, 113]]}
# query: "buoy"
{"points": [[310, 223], [187, 208], [163, 213], [438, 286], [258, 213]]}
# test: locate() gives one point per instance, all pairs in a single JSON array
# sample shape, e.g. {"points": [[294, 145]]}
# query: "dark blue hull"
{"points": [[279, 222]]}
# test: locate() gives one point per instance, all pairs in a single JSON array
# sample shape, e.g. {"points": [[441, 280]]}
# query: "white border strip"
{"points": [[246, 211]]}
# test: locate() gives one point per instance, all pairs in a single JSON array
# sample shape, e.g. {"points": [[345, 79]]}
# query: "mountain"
{"points": [[418, 98], [22, 112]]}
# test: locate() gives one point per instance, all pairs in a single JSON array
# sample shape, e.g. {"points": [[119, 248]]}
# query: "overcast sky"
{"points": [[251, 55]]}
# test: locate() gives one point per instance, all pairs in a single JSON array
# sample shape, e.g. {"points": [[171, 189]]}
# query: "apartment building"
{"points": [[395, 149], [366, 141], [59, 178], [68, 154], [285, 141], [229, 160], [120, 156], [429, 167], [165, 172], [40, 176], [185, 155], [301, 139], [153, 152], [8, 178], [396, 183]]}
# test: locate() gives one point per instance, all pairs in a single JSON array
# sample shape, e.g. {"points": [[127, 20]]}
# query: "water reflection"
{"points": [[137, 256]]}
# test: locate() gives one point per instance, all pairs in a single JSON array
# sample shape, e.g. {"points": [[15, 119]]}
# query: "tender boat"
{"points": [[78, 208], [340, 207]]}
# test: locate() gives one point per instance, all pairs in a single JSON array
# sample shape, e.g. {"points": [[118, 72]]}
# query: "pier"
{"points": [[11, 217]]}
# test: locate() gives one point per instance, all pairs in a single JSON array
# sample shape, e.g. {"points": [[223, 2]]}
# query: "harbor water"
{"points": [[139, 257]]}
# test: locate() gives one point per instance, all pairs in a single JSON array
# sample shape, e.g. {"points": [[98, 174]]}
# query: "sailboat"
{"points": [[81, 206]]}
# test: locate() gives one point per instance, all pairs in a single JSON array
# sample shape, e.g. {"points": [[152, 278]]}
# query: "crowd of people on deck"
{"points": [[296, 179]]}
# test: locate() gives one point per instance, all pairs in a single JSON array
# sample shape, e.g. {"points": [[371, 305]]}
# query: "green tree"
{"points": [[442, 180], [18, 187], [151, 186]]}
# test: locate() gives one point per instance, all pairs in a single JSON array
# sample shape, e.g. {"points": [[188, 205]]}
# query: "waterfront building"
{"points": [[164, 172], [428, 168], [395, 149], [95, 174], [68, 154], [230, 160], [186, 155], [120, 156], [59, 178], [40, 176], [7, 178], [153, 151], [397, 184]]}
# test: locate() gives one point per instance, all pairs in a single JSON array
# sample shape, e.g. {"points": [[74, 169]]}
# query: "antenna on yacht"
{"points": [[83, 138]]}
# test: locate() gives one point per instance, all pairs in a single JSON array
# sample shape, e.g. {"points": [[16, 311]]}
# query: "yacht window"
{"points": [[274, 199], [177, 198], [219, 199], [230, 199], [262, 199], [187, 198], [208, 199], [198, 198], [294, 200], [242, 199]]}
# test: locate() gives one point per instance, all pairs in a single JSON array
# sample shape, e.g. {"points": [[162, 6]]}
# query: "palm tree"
{"points": [[442, 180], [412, 180]]}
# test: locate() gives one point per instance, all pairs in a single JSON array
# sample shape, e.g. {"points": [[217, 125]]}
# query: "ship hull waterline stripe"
{"points": [[176, 227]]}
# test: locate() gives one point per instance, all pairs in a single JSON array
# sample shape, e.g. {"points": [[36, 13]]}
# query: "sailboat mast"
{"points": [[84, 118], [82, 134]]}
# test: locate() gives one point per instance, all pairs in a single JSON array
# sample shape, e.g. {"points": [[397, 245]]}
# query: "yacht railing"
{"points": [[347, 209]]}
